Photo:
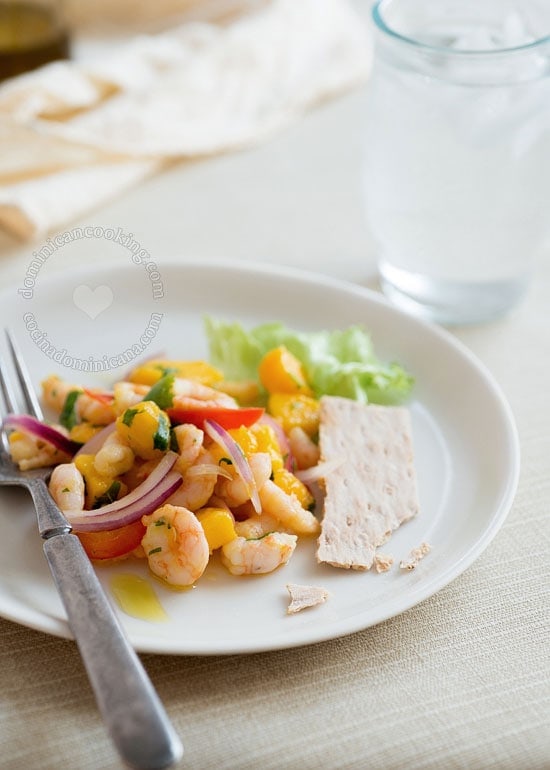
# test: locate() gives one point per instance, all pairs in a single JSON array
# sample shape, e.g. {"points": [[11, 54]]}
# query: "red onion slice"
{"points": [[29, 424], [89, 521], [223, 439], [282, 440], [149, 485], [208, 469]]}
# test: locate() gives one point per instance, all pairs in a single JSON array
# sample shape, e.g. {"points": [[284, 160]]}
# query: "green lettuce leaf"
{"points": [[337, 363]]}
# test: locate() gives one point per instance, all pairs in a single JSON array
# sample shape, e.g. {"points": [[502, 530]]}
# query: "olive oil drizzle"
{"points": [[136, 597]]}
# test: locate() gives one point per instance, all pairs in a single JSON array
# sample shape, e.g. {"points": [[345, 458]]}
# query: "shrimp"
{"points": [[126, 395], [197, 487], [287, 509], [175, 545], [114, 458], [244, 391], [67, 487], [234, 491], [255, 557], [189, 440], [257, 526], [95, 408], [31, 452], [303, 449], [189, 394]]}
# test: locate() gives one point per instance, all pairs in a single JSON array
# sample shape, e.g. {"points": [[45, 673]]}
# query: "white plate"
{"points": [[466, 444]]}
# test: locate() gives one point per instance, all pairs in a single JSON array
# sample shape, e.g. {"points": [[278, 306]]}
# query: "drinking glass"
{"points": [[457, 153], [32, 33]]}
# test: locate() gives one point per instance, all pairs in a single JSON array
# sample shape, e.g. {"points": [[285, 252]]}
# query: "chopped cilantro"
{"points": [[128, 416], [69, 417], [248, 539], [161, 439], [155, 550], [66, 489], [108, 497], [225, 460]]}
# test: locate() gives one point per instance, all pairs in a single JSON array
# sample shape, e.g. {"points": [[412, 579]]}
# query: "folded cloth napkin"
{"points": [[78, 133]]}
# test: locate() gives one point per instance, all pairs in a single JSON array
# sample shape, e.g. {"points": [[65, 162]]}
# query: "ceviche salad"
{"points": [[183, 459]]}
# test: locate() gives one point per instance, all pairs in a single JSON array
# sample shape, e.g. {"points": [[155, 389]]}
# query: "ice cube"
{"points": [[510, 33]]}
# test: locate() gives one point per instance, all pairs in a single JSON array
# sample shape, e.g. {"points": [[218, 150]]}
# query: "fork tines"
{"points": [[32, 405]]}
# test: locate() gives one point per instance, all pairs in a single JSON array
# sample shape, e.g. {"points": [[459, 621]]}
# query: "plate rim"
{"points": [[59, 628]]}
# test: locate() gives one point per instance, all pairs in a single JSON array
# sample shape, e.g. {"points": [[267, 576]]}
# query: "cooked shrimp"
{"points": [[55, 391], [189, 440], [31, 452], [67, 487], [257, 526], [126, 395], [175, 545], [243, 391], [303, 449], [115, 457], [234, 491], [287, 509], [198, 486], [189, 394], [256, 557], [97, 409]]}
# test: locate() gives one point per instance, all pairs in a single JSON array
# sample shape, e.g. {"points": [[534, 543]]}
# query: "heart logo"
{"points": [[92, 301]]}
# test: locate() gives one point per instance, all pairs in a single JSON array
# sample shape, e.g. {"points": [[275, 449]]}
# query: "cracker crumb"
{"points": [[415, 556], [302, 597], [383, 562]]}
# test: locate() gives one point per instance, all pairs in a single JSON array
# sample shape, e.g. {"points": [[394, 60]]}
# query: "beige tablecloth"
{"points": [[460, 681]]}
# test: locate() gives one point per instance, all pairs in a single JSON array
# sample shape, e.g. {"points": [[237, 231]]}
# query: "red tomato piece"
{"points": [[112, 542], [224, 416]]}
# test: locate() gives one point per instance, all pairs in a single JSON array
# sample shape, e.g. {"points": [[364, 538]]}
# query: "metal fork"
{"points": [[132, 711]]}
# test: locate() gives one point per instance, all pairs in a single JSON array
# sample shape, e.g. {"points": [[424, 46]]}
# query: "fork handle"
{"points": [[126, 698]]}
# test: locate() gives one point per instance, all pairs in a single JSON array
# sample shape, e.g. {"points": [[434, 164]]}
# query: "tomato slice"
{"points": [[224, 416], [112, 542]]}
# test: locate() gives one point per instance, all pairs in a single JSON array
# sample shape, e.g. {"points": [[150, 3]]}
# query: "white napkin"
{"points": [[80, 133]]}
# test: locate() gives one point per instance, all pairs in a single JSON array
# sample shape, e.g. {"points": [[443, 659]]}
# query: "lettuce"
{"points": [[337, 363]]}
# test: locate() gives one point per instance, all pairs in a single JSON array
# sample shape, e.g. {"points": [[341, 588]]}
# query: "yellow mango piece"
{"points": [[288, 482], [295, 411], [84, 431], [97, 486], [258, 438], [151, 371], [218, 525], [266, 441], [245, 439], [281, 372], [146, 430]]}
